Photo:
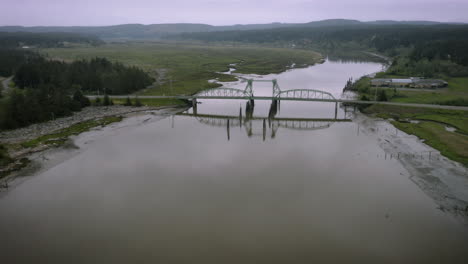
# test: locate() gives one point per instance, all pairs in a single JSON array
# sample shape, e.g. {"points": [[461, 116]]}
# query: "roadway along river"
{"points": [[296, 189]]}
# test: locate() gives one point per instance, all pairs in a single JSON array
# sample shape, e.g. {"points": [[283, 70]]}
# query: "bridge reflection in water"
{"points": [[270, 124]]}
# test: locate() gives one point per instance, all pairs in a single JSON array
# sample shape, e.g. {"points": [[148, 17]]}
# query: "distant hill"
{"points": [[157, 31]]}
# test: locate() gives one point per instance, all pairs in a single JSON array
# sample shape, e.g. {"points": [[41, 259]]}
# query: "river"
{"points": [[166, 188]]}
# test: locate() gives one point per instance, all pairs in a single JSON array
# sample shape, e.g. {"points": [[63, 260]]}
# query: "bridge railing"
{"points": [[305, 94], [223, 92]]}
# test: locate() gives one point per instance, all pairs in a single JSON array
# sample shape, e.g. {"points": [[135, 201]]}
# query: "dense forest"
{"points": [[11, 59], [97, 75], [46, 89], [383, 38]]}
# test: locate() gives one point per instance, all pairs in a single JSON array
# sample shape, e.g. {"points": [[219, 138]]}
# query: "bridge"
{"points": [[247, 93]]}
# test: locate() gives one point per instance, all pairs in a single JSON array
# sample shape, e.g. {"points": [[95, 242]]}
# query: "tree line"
{"points": [[97, 75], [45, 40], [384, 38]]}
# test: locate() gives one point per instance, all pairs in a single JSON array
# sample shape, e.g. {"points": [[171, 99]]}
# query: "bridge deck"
{"points": [[262, 118], [269, 98]]}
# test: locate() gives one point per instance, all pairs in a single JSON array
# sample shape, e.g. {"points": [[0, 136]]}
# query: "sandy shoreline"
{"points": [[440, 178]]}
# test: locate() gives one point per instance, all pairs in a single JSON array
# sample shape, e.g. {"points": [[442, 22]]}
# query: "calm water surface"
{"points": [[193, 190]]}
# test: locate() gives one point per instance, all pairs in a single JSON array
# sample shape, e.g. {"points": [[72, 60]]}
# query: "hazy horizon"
{"points": [[229, 12], [273, 22]]}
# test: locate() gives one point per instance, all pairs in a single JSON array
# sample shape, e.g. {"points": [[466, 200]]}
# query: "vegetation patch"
{"points": [[455, 94], [60, 137], [431, 127], [452, 145], [5, 159]]}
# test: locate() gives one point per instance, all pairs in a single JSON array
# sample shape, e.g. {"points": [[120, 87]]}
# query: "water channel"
{"points": [[179, 188]]}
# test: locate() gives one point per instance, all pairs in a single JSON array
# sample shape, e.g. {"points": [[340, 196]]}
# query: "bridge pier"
{"points": [[264, 129], [273, 109], [249, 109], [336, 110], [194, 106], [228, 130], [240, 116]]}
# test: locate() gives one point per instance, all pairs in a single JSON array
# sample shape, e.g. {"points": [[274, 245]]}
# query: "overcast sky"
{"points": [[223, 12]]}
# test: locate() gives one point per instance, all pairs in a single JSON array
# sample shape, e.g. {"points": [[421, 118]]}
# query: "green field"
{"points": [[59, 137], [456, 93], [191, 66], [431, 127]]}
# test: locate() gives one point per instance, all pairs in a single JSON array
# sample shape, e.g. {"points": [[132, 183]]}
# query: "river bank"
{"points": [[440, 178]]}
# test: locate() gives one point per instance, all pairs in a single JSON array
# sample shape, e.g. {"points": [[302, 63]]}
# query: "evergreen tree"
{"points": [[97, 102], [106, 101], [138, 102], [382, 96], [128, 102]]}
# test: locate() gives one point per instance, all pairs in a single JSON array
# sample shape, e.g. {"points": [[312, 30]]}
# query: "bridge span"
{"points": [[308, 95], [191, 97]]}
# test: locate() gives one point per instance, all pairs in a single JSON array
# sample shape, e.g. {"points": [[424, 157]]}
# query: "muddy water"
{"points": [[190, 189]]}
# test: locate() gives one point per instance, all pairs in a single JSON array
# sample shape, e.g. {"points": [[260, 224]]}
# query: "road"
{"points": [[188, 97], [438, 90]]}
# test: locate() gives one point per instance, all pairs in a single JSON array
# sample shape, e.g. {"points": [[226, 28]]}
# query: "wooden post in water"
{"points": [[264, 129], [194, 106], [336, 110], [240, 116], [228, 130]]}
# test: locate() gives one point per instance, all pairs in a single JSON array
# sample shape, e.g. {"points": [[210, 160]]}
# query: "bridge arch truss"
{"points": [[305, 94], [223, 92]]}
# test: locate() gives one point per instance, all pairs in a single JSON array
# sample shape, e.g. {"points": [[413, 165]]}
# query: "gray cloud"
{"points": [[223, 12]]}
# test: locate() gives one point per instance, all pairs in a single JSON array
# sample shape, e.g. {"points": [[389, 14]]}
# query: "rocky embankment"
{"points": [[88, 113]]}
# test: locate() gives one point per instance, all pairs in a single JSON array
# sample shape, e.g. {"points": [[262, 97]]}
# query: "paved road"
{"points": [[188, 97], [438, 90]]}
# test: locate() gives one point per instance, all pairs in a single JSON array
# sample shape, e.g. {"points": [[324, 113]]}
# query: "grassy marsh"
{"points": [[191, 66]]}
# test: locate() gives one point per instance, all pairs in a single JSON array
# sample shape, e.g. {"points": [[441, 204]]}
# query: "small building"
{"points": [[381, 82], [429, 83], [401, 82], [413, 82]]}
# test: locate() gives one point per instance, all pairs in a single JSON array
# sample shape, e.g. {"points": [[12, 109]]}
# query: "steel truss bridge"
{"points": [[277, 94]]}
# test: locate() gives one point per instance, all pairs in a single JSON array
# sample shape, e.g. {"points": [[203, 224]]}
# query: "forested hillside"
{"points": [[157, 31], [383, 38]]}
